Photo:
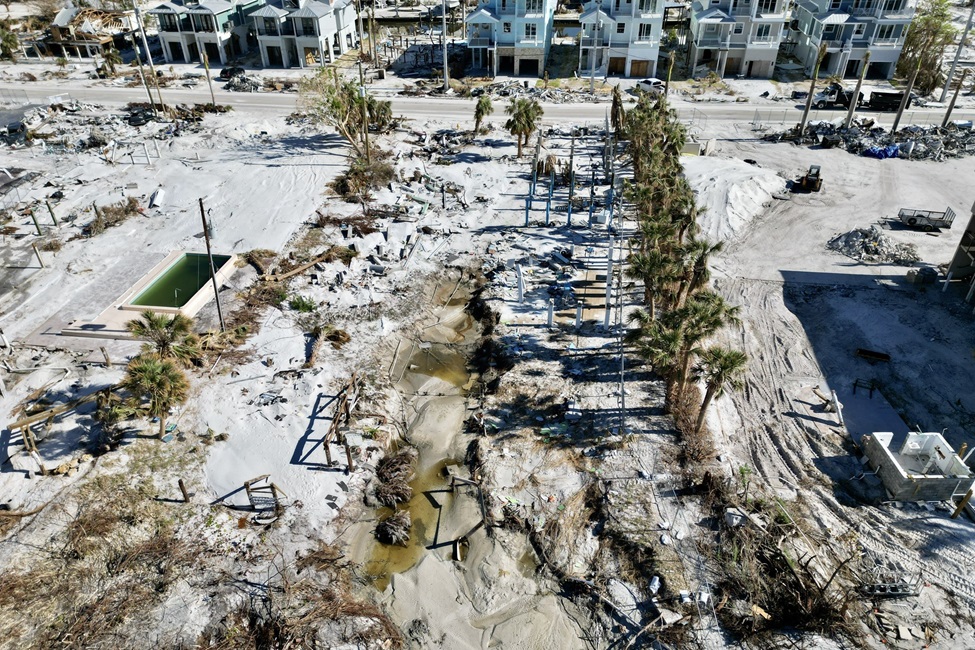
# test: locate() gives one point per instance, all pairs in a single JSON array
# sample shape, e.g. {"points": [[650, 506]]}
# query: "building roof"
{"points": [[269, 11], [714, 15], [482, 15], [835, 19], [212, 7], [313, 9], [167, 8], [596, 15]]}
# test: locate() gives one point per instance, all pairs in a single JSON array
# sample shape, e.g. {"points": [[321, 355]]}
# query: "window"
{"points": [[533, 6], [507, 28], [646, 31], [766, 6], [829, 31], [531, 31], [620, 28], [616, 5], [885, 32], [834, 4], [859, 28], [763, 33], [739, 28], [710, 28], [504, 5]]}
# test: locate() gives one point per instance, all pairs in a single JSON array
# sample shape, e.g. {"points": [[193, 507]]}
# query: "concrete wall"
{"points": [[917, 487]]}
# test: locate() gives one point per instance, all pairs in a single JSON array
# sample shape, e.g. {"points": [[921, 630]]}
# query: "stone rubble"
{"points": [[872, 245]]}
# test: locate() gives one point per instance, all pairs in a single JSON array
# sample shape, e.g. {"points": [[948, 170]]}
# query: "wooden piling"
{"points": [[186, 494], [51, 211], [38, 254], [961, 505]]}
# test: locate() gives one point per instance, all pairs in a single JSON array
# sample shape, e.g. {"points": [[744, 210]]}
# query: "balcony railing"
{"points": [[529, 40], [764, 40], [169, 28], [711, 41], [741, 10], [267, 31], [507, 10], [887, 42], [480, 42], [645, 41], [593, 41]]}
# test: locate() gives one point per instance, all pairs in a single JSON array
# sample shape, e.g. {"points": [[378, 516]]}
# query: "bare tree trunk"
{"points": [[708, 396], [162, 425]]}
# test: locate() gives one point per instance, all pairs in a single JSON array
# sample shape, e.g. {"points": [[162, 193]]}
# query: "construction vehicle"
{"points": [[835, 95], [811, 181], [926, 220]]}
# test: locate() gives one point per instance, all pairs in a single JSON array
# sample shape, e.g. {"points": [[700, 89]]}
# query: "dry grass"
{"points": [[112, 215]]}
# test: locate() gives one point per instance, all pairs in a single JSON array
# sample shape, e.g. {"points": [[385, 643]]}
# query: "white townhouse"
{"points": [[737, 37], [302, 33], [850, 29], [620, 37], [217, 27], [511, 36]]}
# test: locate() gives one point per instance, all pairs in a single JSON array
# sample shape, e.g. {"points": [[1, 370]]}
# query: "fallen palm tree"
{"points": [[395, 529]]}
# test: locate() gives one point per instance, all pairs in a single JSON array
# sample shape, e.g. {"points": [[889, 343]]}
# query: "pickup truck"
{"points": [[835, 95]]}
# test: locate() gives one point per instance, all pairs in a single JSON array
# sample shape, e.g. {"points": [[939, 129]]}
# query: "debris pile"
{"points": [[519, 89], [872, 245], [242, 84], [865, 139]]}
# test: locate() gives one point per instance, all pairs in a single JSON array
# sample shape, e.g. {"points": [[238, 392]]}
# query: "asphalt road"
{"points": [[462, 110]]}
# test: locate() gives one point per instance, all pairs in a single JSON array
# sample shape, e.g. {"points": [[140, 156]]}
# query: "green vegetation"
{"points": [[931, 31], [524, 115], [482, 109]]}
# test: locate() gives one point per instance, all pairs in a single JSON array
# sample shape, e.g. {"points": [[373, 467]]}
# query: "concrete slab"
{"points": [[865, 412]]}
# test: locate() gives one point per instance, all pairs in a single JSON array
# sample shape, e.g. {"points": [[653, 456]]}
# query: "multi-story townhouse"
{"points": [[216, 27], [737, 37], [304, 32], [511, 36], [620, 37], [850, 29]]}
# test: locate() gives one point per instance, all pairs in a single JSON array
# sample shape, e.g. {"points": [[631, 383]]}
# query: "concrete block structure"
{"points": [[217, 27], [511, 36], [620, 37], [925, 468], [303, 33], [850, 29], [737, 37]]}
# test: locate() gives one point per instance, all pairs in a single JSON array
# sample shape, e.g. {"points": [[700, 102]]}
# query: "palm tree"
{"points": [[660, 347], [112, 59], [705, 313], [719, 368], [9, 45], [696, 273], [524, 120], [167, 337], [482, 110], [656, 270], [617, 113], [156, 385]]}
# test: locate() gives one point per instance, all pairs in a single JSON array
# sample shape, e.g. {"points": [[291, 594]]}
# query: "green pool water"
{"points": [[177, 284]]}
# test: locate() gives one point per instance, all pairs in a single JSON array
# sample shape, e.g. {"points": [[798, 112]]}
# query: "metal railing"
{"points": [[480, 42], [705, 41], [593, 41], [741, 10], [887, 42], [764, 40]]}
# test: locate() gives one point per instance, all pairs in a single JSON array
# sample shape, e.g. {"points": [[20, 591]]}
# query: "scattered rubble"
{"points": [[872, 245], [911, 142], [243, 84]]}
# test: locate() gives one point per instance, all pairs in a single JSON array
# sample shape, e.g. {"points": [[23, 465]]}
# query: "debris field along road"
{"points": [[456, 108]]}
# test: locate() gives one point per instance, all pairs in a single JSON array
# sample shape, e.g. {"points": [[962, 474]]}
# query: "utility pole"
{"points": [[961, 46], [572, 169], [443, 31], [145, 44], [906, 98], [362, 33], [812, 89], [954, 98], [142, 74], [365, 113], [592, 54], [213, 272], [855, 99], [206, 66]]}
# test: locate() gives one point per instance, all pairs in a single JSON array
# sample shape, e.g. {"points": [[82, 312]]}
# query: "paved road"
{"points": [[462, 109]]}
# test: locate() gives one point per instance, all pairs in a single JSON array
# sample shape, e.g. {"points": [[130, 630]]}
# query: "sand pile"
{"points": [[872, 245], [732, 193]]}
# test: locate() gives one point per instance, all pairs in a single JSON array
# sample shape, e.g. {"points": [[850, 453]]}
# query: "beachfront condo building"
{"points": [[511, 37], [736, 37], [620, 37], [850, 29], [216, 27], [305, 33]]}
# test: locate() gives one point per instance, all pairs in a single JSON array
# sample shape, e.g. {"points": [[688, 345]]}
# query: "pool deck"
{"points": [[110, 324]]}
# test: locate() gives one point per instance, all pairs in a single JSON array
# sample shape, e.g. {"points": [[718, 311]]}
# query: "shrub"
{"points": [[302, 304]]}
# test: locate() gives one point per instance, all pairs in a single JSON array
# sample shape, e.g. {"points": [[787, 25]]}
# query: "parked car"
{"points": [[231, 72], [651, 85]]}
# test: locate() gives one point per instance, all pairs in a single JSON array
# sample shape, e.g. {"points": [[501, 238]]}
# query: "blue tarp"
{"points": [[890, 151]]}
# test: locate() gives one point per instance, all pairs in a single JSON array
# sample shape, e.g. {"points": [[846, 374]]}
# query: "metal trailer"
{"points": [[926, 220]]}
